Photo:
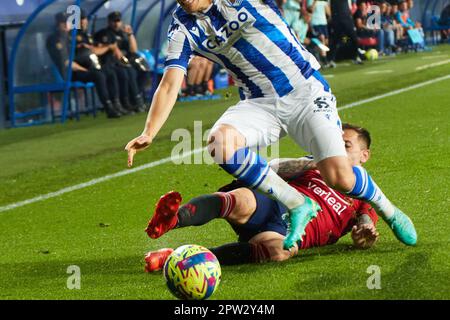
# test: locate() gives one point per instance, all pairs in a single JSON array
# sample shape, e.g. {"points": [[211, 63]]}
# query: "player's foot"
{"points": [[165, 217], [154, 260], [358, 61], [299, 217], [402, 227]]}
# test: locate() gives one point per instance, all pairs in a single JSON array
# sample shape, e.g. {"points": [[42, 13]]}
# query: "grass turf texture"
{"points": [[100, 228]]}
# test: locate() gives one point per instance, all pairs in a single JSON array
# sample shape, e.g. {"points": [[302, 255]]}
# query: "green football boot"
{"points": [[402, 227], [299, 218]]}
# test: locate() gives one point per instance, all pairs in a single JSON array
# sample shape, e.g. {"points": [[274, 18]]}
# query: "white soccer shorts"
{"points": [[308, 115]]}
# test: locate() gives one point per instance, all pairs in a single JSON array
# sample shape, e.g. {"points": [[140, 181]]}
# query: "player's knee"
{"points": [[342, 181], [244, 207], [223, 143], [337, 173]]}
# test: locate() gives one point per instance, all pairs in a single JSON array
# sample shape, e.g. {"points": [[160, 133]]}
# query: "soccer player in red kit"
{"points": [[261, 223]]}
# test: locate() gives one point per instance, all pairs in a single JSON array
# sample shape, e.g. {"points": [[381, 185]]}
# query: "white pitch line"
{"points": [[169, 159], [395, 92], [432, 65], [98, 180], [435, 57], [378, 71]]}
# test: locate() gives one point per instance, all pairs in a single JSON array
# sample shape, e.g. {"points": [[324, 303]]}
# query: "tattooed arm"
{"points": [[364, 233], [289, 168]]}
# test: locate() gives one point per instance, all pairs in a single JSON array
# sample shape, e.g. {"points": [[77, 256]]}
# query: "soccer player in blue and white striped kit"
{"points": [[281, 93]]}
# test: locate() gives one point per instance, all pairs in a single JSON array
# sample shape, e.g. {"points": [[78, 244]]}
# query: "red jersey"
{"points": [[338, 214]]}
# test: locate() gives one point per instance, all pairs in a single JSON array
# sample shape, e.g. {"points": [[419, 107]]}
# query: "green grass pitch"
{"points": [[101, 228]]}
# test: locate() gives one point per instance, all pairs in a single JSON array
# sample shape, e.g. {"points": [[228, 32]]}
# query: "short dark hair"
{"points": [[363, 133]]}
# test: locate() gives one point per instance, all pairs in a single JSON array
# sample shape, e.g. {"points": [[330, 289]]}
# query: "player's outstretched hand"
{"points": [[137, 144], [364, 236]]}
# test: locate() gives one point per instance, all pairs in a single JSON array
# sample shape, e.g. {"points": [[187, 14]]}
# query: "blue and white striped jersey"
{"points": [[250, 39]]}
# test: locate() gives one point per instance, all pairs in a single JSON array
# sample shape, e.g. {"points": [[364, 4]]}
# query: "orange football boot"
{"points": [[165, 217], [154, 260]]}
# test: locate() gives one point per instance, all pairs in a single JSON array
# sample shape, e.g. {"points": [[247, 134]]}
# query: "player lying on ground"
{"points": [[282, 92], [258, 220]]}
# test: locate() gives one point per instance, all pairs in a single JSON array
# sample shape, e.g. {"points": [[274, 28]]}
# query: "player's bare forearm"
{"points": [[289, 168], [163, 101]]}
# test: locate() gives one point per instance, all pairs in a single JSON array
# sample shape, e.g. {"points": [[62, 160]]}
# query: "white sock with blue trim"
{"points": [[366, 189], [254, 171]]}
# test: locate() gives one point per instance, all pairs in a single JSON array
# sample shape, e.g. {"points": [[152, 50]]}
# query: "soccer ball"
{"points": [[372, 54], [192, 272]]}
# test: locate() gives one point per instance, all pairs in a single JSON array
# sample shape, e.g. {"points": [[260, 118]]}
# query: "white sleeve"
{"points": [[179, 51]]}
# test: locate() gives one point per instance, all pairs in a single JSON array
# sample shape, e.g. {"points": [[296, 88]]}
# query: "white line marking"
{"points": [[432, 65], [188, 154], [98, 180], [378, 71], [435, 57], [395, 92]]}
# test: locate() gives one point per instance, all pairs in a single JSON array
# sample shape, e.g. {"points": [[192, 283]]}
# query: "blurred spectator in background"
{"points": [[198, 74], [85, 67], [280, 5], [87, 53], [444, 20], [404, 19], [365, 29], [291, 12], [388, 28], [402, 16], [343, 30], [353, 6], [128, 47], [125, 43], [321, 11], [417, 24], [392, 13]]}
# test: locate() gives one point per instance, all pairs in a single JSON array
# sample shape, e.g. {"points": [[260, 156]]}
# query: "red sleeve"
{"points": [[365, 208]]}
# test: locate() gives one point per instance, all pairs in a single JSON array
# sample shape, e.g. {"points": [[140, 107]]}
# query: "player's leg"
{"points": [[263, 247], [229, 146], [260, 236], [192, 75], [258, 220], [236, 206], [356, 182], [321, 134], [209, 66], [273, 242]]}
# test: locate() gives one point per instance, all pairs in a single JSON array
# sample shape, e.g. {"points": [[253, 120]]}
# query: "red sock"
{"points": [[228, 203]]}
